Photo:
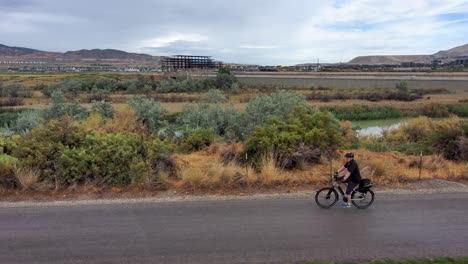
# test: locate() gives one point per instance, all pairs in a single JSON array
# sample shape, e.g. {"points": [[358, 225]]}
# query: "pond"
{"points": [[375, 127]]}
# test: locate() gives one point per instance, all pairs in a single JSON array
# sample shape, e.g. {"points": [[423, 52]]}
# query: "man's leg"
{"points": [[349, 188]]}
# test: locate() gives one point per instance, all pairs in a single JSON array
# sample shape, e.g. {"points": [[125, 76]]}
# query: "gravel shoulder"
{"points": [[416, 189]]}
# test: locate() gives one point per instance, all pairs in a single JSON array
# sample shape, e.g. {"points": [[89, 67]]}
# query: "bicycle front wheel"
{"points": [[326, 197], [362, 200]]}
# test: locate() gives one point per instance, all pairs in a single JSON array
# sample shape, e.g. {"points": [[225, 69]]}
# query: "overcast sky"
{"points": [[269, 32]]}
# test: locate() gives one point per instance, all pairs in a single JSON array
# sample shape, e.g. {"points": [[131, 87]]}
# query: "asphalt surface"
{"points": [[236, 231]]}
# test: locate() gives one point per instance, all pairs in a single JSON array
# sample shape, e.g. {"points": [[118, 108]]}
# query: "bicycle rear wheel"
{"points": [[326, 197], [362, 200]]}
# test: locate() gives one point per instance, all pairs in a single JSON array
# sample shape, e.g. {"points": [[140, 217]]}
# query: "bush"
{"points": [[302, 133], [446, 137], [223, 81], [71, 86], [7, 163], [8, 143], [41, 147], [99, 95], [226, 122], [434, 110], [15, 90], [149, 112], [279, 104], [213, 96], [9, 115], [115, 160], [459, 110], [462, 149], [124, 122], [363, 112], [103, 108], [26, 121], [11, 101], [60, 108], [198, 139], [108, 84], [417, 130]]}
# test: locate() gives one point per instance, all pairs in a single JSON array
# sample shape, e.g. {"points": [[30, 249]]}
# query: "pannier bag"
{"points": [[365, 183]]}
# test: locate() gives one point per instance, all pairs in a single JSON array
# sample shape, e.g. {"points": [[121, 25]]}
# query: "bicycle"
{"points": [[362, 197]]}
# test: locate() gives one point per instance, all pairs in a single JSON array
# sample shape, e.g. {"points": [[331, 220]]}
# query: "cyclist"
{"points": [[352, 177]]}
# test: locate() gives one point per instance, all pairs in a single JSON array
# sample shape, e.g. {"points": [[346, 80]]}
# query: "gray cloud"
{"points": [[256, 31]]}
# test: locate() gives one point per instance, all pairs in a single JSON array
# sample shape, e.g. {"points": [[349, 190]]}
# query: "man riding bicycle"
{"points": [[352, 177]]}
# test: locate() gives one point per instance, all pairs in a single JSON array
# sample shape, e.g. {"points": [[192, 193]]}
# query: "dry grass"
{"points": [[269, 174], [202, 170], [390, 168], [206, 170], [26, 177]]}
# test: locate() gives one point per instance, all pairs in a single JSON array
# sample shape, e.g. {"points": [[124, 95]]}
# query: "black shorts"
{"points": [[350, 186]]}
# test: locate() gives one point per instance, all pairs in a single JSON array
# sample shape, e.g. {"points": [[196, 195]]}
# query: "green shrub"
{"points": [[15, 90], [363, 112], [7, 164], [149, 112], [113, 159], [198, 139], [213, 96], [446, 137], [60, 108], [99, 95], [460, 110], [279, 104], [226, 122], [72, 86], [109, 84], [104, 109], [417, 130], [8, 116], [26, 121], [41, 147], [301, 133]]}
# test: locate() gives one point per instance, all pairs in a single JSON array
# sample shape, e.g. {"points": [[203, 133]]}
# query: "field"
{"points": [[192, 134], [455, 87]]}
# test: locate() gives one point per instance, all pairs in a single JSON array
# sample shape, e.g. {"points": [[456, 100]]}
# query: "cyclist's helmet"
{"points": [[349, 155]]}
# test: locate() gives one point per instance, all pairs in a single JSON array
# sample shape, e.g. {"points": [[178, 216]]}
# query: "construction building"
{"points": [[187, 62]]}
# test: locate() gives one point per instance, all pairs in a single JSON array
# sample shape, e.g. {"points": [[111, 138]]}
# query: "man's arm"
{"points": [[346, 176], [341, 169]]}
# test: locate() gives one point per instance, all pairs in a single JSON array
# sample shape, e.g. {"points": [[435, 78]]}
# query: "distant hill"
{"points": [[15, 51], [107, 55], [457, 51], [445, 56]]}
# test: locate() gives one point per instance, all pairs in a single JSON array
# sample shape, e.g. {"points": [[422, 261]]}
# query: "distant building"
{"points": [[187, 62], [132, 69], [309, 67], [436, 62], [462, 61]]}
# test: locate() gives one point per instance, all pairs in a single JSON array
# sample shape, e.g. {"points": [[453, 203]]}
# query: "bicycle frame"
{"points": [[337, 186]]}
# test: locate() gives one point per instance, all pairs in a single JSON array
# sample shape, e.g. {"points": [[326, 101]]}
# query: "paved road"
{"points": [[239, 231]]}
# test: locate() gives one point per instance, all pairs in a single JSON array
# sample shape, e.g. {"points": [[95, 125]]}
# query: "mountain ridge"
{"points": [[443, 55], [20, 53]]}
